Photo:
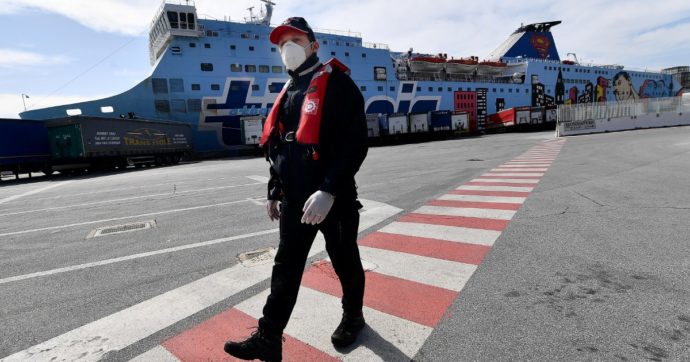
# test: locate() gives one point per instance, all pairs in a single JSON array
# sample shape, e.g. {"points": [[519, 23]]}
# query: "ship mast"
{"points": [[264, 17]]}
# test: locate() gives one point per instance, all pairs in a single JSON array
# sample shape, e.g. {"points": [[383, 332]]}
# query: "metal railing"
{"points": [[609, 110]]}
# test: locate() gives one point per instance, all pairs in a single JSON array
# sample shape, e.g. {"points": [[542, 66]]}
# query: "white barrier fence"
{"points": [[574, 119]]}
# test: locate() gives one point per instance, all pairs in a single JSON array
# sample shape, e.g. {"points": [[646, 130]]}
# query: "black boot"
{"points": [[348, 330], [260, 345]]}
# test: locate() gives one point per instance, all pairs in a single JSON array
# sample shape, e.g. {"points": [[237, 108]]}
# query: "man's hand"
{"points": [[272, 209], [317, 207]]}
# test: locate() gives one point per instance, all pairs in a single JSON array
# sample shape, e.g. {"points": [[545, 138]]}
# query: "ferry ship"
{"points": [[216, 74]]}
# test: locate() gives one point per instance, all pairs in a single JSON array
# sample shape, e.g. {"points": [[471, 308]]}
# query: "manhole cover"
{"points": [[257, 257], [124, 228]]}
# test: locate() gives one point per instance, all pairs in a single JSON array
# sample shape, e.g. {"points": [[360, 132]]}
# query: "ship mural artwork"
{"points": [[223, 77]]}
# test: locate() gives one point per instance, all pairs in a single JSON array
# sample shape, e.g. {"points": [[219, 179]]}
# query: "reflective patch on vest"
{"points": [[311, 90], [311, 106]]}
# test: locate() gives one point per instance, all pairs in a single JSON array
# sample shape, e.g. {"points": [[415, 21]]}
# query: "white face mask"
{"points": [[293, 54]]}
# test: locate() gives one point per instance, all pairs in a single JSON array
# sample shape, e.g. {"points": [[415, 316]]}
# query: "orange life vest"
{"points": [[312, 107]]}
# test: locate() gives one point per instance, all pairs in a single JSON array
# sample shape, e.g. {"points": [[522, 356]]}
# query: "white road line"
{"points": [[119, 330], [135, 256], [33, 192], [495, 188], [171, 194], [262, 179], [515, 174], [123, 218], [157, 354], [443, 232], [479, 198], [501, 169], [466, 212], [520, 166], [317, 314], [445, 274], [507, 180], [258, 202]]}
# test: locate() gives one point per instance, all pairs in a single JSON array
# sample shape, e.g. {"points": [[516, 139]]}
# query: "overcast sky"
{"points": [[62, 51]]}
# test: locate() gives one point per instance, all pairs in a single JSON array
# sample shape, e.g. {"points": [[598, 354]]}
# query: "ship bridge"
{"points": [[529, 41], [172, 19]]}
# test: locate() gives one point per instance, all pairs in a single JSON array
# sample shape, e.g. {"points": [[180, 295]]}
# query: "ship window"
{"points": [[251, 48], [232, 47], [194, 105], [347, 54], [364, 55], [255, 87], [176, 50], [363, 88], [215, 87], [273, 50], [207, 45], [431, 89], [440, 89], [162, 106], [206, 67], [172, 18], [276, 69], [419, 89], [183, 20], [190, 21], [493, 90], [177, 85], [332, 53], [250, 68], [526, 90], [380, 88], [73, 112], [160, 85], [450, 89], [263, 69], [196, 87], [325, 42], [347, 44], [501, 90], [510, 90], [244, 36], [179, 105], [337, 43], [192, 45], [236, 67], [392, 89], [107, 109]]}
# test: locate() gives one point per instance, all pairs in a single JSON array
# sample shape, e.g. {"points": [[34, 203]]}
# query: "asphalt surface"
{"points": [[593, 267]]}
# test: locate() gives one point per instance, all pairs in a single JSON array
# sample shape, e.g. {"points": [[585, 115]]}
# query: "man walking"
{"points": [[315, 139]]}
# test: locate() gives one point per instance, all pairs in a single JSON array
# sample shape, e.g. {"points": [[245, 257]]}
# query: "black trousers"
{"points": [[340, 230]]}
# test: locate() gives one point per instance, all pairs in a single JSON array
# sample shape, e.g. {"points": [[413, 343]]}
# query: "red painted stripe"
{"points": [[490, 193], [461, 221], [499, 184], [432, 248], [510, 177], [417, 302], [205, 341], [475, 204]]}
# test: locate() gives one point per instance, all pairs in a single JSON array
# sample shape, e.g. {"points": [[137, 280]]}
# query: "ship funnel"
{"points": [[529, 41]]}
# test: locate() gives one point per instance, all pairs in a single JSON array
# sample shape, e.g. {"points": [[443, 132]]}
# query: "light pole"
{"points": [[24, 102]]}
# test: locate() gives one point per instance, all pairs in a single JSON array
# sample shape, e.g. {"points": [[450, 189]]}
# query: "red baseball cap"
{"points": [[292, 24]]}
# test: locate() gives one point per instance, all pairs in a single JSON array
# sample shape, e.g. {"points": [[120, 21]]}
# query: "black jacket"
{"points": [[342, 147]]}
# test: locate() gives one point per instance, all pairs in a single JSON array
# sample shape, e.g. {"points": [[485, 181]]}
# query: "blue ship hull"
{"points": [[215, 74]]}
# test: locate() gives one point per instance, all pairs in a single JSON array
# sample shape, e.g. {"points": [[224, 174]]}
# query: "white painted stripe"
{"points": [[534, 159], [496, 188], [119, 330], [158, 354], [528, 162], [517, 167], [489, 174], [110, 202], [466, 212], [507, 180], [33, 192], [445, 274], [316, 315], [262, 179], [123, 218], [443, 232], [479, 198], [501, 169], [135, 256]]}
